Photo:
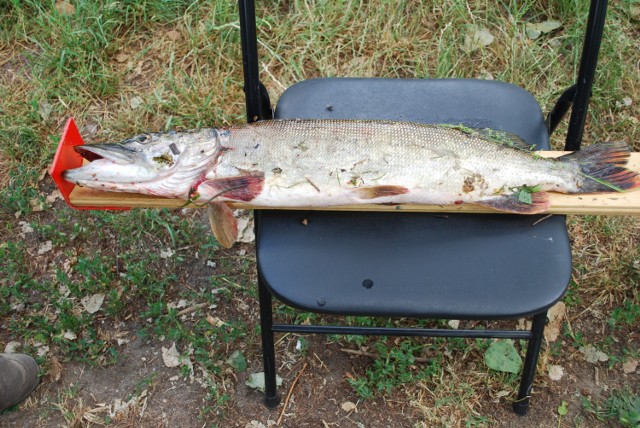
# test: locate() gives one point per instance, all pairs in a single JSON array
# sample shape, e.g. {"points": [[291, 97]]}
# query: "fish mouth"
{"points": [[115, 153], [108, 164]]}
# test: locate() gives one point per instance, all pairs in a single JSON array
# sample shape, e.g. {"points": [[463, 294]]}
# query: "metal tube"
{"points": [[560, 109], [249, 41], [586, 73], [390, 331], [521, 405], [268, 349]]}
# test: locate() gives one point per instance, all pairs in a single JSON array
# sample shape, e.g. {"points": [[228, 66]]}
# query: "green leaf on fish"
{"points": [[524, 193], [525, 197]]}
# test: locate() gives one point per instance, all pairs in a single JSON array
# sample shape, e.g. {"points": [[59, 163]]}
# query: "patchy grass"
{"points": [[622, 407], [122, 67]]}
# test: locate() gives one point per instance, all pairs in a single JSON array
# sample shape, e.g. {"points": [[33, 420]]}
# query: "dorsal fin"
{"points": [[504, 138]]}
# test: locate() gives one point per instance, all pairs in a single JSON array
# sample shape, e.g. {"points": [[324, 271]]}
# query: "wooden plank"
{"points": [[627, 203]]}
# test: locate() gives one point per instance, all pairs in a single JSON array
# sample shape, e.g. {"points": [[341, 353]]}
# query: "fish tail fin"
{"points": [[603, 167]]}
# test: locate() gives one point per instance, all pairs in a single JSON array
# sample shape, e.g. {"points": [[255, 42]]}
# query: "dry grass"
{"points": [[4, 170], [605, 256], [184, 70]]}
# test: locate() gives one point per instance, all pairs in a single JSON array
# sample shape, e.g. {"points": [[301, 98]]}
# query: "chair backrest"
{"points": [[258, 104]]}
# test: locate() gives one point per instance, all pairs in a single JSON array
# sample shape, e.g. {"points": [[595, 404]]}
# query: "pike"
{"points": [[323, 163]]}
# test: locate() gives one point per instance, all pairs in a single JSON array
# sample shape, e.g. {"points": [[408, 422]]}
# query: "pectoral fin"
{"points": [[374, 192], [223, 223], [239, 188]]}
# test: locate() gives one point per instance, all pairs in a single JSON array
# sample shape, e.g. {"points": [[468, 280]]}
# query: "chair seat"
{"points": [[456, 266], [414, 264]]}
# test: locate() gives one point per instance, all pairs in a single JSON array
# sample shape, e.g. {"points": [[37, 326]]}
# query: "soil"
{"points": [[139, 390], [317, 399]]}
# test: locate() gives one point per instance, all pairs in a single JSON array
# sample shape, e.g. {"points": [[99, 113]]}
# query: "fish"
{"points": [[306, 163]]}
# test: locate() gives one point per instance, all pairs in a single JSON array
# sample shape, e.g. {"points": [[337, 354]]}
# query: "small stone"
{"points": [[348, 406]]}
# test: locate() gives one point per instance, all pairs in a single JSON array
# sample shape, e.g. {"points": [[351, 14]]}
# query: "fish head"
{"points": [[163, 163]]}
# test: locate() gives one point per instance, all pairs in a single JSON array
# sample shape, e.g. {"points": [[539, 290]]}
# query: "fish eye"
{"points": [[142, 138]]}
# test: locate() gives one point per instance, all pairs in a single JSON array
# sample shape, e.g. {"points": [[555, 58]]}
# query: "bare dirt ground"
{"points": [[139, 390], [318, 398]]}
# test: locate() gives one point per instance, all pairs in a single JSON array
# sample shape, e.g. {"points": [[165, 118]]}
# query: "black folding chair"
{"points": [[416, 265]]}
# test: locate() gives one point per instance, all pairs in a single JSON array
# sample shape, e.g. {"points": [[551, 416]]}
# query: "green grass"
{"points": [[622, 407], [123, 67], [394, 366]]}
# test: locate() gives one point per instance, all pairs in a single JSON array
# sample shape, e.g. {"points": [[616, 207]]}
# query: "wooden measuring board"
{"points": [[616, 203]]}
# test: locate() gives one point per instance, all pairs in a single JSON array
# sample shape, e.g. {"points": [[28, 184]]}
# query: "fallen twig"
{"points": [[541, 219], [286, 401], [191, 309]]}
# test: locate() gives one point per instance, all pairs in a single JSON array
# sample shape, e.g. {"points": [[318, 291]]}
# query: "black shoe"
{"points": [[18, 378]]}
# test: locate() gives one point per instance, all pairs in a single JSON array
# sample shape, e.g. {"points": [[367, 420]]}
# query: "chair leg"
{"points": [[521, 405], [268, 350]]}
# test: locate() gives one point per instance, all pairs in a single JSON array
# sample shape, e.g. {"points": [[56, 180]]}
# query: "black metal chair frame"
{"points": [[258, 108]]}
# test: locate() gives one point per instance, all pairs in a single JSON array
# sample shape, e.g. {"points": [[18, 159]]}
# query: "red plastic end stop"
{"points": [[67, 158]]}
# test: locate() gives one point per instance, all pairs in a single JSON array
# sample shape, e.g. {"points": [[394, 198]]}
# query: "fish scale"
{"points": [[338, 156], [323, 163]]}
